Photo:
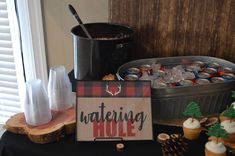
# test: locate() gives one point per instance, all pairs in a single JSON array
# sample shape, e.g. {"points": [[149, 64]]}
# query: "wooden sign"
{"points": [[113, 110]]}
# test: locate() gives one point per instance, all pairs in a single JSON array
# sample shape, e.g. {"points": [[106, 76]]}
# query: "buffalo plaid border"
{"points": [[109, 88]]}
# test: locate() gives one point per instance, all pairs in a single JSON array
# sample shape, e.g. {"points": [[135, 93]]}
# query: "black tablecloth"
{"points": [[19, 145]]}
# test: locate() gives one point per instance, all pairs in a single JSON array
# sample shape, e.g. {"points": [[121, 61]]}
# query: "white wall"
{"points": [[58, 22]]}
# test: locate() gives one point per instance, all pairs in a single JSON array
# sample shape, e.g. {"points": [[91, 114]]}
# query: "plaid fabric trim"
{"points": [[113, 89]]}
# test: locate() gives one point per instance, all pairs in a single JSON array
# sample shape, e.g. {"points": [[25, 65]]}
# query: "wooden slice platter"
{"points": [[62, 123]]}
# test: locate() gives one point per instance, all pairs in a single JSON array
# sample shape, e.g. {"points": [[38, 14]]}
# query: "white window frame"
{"points": [[32, 36], [15, 37], [33, 45]]}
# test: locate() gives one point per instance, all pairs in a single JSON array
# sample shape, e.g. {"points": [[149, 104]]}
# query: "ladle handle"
{"points": [[74, 12]]}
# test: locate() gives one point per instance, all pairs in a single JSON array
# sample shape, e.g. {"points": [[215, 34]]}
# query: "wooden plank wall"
{"points": [[178, 27]]}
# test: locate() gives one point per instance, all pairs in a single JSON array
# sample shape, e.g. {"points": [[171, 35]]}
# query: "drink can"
{"points": [[202, 81], [162, 68], [146, 67], [210, 70], [214, 65], [226, 70], [193, 68], [134, 71], [186, 83], [217, 80], [199, 63], [203, 75], [131, 77], [228, 76]]}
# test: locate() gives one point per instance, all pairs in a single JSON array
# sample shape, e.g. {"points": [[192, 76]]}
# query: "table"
{"points": [[17, 145]]}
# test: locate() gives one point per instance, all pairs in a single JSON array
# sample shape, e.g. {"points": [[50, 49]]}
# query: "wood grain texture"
{"points": [[62, 123], [178, 27]]}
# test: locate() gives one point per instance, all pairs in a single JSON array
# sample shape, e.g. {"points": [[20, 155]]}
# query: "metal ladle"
{"points": [[74, 12]]}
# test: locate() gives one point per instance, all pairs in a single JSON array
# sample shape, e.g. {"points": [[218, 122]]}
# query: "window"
{"points": [[11, 69], [28, 36]]}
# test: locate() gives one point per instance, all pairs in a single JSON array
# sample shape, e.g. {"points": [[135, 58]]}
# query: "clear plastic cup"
{"points": [[36, 105], [59, 89]]}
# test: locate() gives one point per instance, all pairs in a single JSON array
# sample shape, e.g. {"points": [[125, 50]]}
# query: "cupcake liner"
{"points": [[209, 153], [231, 138], [191, 134]]}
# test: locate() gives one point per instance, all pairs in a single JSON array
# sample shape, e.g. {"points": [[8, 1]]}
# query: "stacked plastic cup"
{"points": [[59, 89], [36, 105]]}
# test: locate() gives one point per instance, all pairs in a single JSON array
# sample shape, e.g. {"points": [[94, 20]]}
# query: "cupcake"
{"points": [[222, 117], [191, 128], [229, 126], [215, 149]]}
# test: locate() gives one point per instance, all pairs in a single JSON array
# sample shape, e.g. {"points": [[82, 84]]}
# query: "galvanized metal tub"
{"points": [[169, 103]]}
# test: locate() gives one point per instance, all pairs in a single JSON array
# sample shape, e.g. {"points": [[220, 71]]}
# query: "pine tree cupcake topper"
{"points": [[193, 110], [230, 113], [214, 147], [217, 131], [191, 126]]}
